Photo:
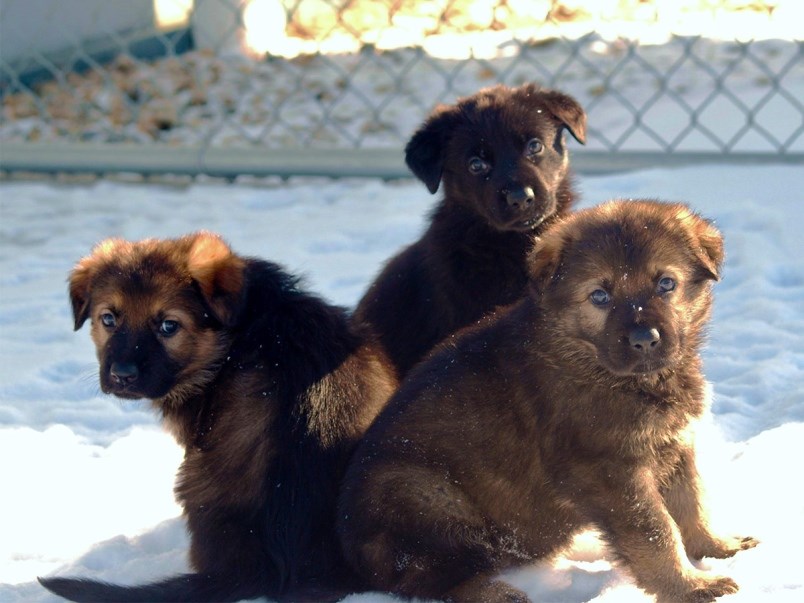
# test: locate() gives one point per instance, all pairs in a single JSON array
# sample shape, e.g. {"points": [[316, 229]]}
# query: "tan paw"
{"points": [[725, 547], [711, 589]]}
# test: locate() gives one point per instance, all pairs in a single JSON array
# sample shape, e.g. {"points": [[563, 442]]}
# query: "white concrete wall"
{"points": [[50, 25]]}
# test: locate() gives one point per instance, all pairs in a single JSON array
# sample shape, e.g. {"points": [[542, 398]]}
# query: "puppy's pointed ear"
{"points": [[707, 243], [544, 261], [425, 151], [568, 111], [220, 275]]}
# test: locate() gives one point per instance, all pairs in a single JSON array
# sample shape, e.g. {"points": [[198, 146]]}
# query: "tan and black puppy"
{"points": [[571, 409], [502, 158], [268, 389]]}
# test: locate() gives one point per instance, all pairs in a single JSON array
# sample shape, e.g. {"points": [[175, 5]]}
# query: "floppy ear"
{"points": [[80, 289], [710, 248], [544, 260], [220, 275], [705, 240], [425, 151], [82, 277], [568, 111]]}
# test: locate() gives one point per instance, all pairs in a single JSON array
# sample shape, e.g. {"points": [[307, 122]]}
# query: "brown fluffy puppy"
{"points": [[267, 387], [501, 155], [571, 409]]}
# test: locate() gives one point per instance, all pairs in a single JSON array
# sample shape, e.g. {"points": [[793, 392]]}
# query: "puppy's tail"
{"points": [[181, 588], [184, 588]]}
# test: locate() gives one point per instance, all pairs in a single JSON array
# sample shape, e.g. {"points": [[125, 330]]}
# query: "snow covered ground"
{"points": [[87, 479]]}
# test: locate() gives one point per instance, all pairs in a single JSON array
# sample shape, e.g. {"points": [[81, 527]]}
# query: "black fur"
{"points": [[266, 441], [471, 259]]}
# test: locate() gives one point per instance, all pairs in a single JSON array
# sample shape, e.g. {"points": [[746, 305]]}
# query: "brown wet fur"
{"points": [[551, 417], [472, 258], [267, 388]]}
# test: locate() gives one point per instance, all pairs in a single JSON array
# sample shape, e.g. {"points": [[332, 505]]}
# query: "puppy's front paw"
{"points": [[745, 542], [711, 589], [722, 548]]}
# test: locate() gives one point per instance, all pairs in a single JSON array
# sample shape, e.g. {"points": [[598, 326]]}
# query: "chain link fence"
{"points": [[337, 86]]}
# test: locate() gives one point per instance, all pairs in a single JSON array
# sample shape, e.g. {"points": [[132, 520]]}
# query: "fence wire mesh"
{"points": [[721, 76]]}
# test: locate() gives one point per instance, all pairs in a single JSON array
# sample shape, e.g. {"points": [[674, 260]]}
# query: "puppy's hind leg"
{"points": [[485, 589], [446, 568], [425, 540]]}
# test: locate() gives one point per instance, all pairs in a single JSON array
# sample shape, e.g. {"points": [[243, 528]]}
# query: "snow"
{"points": [[87, 478]]}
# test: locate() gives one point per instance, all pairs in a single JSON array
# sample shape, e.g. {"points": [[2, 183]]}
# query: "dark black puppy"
{"points": [[502, 157], [268, 389]]}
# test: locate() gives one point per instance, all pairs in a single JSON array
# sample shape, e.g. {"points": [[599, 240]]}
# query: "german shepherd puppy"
{"points": [[572, 408], [268, 389], [502, 157]]}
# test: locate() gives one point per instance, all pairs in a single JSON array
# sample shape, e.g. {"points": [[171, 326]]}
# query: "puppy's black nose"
{"points": [[124, 372], [519, 197], [643, 339]]}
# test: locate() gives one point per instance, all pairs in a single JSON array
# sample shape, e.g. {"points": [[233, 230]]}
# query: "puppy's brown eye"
{"points": [[534, 147], [478, 166], [168, 328], [108, 320], [666, 284], [599, 297]]}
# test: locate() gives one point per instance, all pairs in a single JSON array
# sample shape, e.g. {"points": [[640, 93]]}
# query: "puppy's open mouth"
{"points": [[528, 224]]}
